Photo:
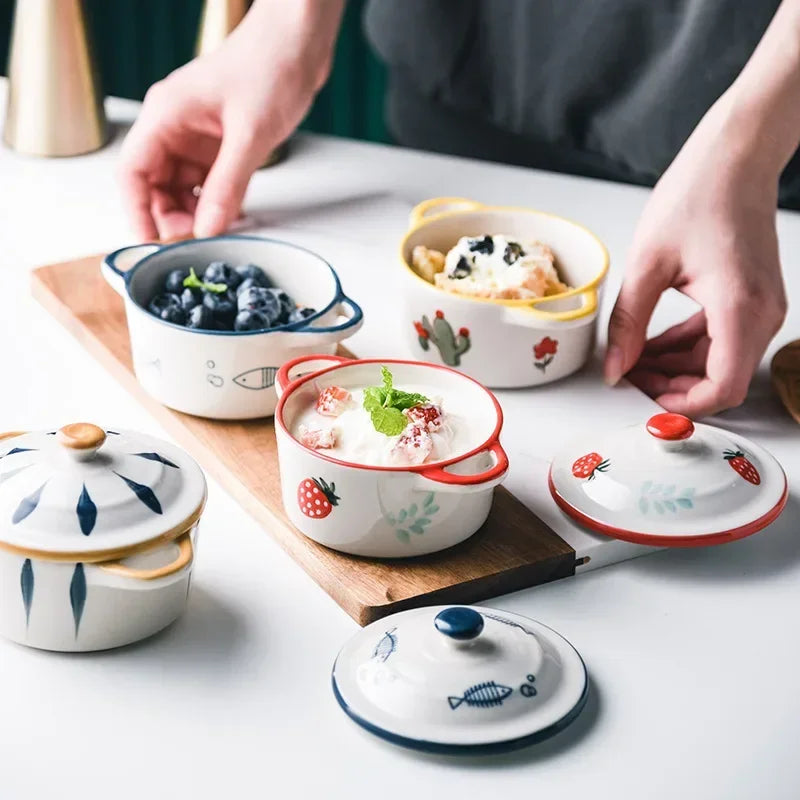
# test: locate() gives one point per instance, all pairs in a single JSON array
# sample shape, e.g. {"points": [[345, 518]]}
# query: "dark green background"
{"points": [[140, 41]]}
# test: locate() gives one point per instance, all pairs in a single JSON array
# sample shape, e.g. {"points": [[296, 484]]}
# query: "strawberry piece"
{"points": [[315, 498], [414, 445], [333, 400], [586, 466], [429, 416], [317, 438], [741, 464]]}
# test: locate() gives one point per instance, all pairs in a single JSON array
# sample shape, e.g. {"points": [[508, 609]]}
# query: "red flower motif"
{"points": [[420, 330], [440, 314], [547, 347], [464, 332]]}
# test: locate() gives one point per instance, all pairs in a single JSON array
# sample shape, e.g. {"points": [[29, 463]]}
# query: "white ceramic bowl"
{"points": [[503, 343], [226, 374], [389, 512]]}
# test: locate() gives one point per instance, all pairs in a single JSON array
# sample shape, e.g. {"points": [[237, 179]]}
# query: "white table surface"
{"points": [[692, 655]]}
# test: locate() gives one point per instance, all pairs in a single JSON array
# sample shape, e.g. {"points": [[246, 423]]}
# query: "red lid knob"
{"points": [[670, 427]]}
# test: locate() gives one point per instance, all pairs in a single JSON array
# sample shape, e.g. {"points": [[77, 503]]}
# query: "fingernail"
{"points": [[210, 220], [615, 363]]}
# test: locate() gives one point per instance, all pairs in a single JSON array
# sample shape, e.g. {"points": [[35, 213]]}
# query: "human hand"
{"points": [[214, 121], [708, 231]]}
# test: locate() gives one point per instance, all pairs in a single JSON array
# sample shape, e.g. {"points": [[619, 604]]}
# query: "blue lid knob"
{"points": [[459, 623]]}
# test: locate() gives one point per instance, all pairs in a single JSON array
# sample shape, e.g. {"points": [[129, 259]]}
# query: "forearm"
{"points": [[760, 112]]}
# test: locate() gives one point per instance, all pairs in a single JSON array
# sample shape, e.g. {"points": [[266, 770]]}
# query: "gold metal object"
{"points": [[55, 107], [219, 18]]}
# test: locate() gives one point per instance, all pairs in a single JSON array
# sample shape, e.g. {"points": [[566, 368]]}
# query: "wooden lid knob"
{"points": [[81, 436]]}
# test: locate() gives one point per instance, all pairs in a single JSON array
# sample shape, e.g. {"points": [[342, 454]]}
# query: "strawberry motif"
{"points": [[739, 462], [315, 498], [586, 466], [332, 401]]}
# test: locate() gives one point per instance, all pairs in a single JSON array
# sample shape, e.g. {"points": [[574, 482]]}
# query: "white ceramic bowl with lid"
{"points": [[97, 532], [503, 343], [387, 511], [226, 374], [460, 680], [669, 482]]}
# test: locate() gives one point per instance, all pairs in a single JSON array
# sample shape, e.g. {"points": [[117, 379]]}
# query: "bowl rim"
{"points": [[419, 224], [493, 438], [290, 327]]}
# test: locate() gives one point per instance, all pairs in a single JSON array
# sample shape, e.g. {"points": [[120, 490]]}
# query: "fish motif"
{"points": [[256, 379], [386, 646], [482, 695], [508, 622]]}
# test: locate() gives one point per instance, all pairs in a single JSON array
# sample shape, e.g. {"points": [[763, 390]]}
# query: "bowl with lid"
{"points": [[97, 534], [502, 342], [669, 482], [460, 680], [373, 493], [226, 374]]}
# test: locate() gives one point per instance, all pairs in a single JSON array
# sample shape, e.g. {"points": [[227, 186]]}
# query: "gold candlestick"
{"points": [[54, 104]]}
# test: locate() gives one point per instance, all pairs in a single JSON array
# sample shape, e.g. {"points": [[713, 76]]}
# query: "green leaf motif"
{"points": [[417, 528], [431, 509], [658, 507], [684, 502], [428, 500], [403, 535], [412, 510], [391, 520], [646, 486], [669, 505], [643, 505], [668, 491], [424, 521], [402, 516]]}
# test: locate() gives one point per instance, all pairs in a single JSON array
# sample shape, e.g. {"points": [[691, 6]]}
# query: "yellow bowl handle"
{"points": [[530, 315], [440, 205], [184, 557]]}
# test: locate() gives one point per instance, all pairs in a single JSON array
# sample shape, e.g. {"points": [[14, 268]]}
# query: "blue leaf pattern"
{"points": [[19, 450], [27, 505], [144, 493], [156, 457], [77, 595], [87, 512], [26, 585]]}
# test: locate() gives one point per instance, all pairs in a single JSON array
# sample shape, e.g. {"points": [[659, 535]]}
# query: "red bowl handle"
{"points": [[285, 376], [497, 470]]}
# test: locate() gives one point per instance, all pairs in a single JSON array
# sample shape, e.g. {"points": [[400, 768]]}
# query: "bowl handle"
{"points": [[329, 334], [127, 257], [533, 317], [440, 205], [184, 557], [449, 481], [289, 372]]}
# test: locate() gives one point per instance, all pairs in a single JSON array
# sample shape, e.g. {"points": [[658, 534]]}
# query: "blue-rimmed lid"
{"points": [[87, 491], [458, 679]]}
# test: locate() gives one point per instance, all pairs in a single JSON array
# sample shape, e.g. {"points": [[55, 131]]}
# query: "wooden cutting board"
{"points": [[513, 550], [786, 377]]}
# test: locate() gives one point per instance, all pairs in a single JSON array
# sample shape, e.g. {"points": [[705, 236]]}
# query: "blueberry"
{"points": [[512, 252], [251, 321], [463, 268], [484, 245], [222, 306], [220, 272], [174, 314], [287, 305], [191, 298], [250, 272], [175, 279], [160, 303], [257, 298], [200, 318], [299, 314], [250, 283]]}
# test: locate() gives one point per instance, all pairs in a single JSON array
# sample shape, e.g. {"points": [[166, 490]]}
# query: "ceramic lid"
{"points": [[86, 491], [669, 482], [460, 680]]}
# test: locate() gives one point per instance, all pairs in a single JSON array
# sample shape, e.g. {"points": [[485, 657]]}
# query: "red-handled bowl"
{"points": [[388, 511]]}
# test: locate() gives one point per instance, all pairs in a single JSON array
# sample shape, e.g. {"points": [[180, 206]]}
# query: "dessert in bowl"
{"points": [[388, 458], [208, 336], [483, 280]]}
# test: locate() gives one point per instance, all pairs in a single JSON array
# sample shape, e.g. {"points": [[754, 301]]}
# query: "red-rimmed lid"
{"points": [[669, 482]]}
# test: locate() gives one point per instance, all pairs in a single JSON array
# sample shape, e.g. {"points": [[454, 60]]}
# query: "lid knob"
{"points": [[459, 623], [670, 427], [82, 439]]}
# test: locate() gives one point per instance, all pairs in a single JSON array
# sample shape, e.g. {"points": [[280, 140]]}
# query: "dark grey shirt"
{"points": [[610, 88]]}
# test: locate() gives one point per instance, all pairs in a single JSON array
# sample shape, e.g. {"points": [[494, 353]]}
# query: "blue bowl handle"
{"points": [[330, 334], [130, 256]]}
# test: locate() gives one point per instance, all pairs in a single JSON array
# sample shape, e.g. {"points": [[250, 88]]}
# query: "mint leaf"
{"points": [[389, 421], [193, 282], [386, 404]]}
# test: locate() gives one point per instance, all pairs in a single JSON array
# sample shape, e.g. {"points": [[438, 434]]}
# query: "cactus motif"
{"points": [[451, 346]]}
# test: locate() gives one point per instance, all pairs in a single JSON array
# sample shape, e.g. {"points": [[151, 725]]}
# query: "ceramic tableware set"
{"points": [[98, 526]]}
